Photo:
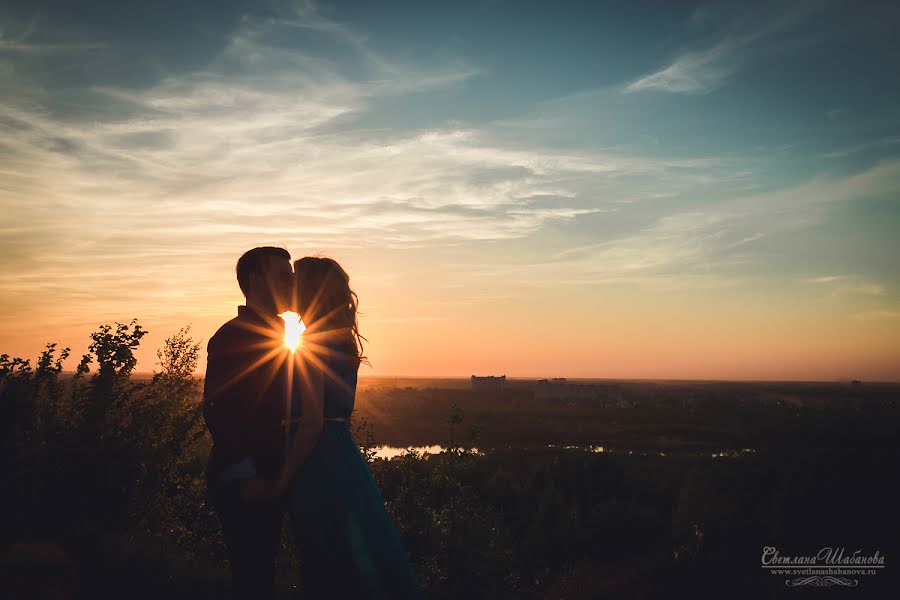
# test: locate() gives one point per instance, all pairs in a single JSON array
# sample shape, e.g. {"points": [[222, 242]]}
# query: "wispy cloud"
{"points": [[846, 284], [268, 130], [693, 72], [708, 248], [12, 46], [857, 148], [708, 66], [263, 146], [747, 240], [876, 315], [826, 278]]}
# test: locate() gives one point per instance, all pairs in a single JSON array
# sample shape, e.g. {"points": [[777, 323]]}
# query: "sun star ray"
{"points": [[262, 360], [270, 332], [312, 355]]}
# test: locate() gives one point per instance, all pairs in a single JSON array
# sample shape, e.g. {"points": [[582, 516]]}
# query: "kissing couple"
{"points": [[279, 420]]}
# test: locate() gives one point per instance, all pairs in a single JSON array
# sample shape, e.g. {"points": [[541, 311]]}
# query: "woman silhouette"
{"points": [[347, 544]]}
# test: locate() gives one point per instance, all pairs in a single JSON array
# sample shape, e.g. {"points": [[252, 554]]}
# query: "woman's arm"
{"points": [[312, 412]]}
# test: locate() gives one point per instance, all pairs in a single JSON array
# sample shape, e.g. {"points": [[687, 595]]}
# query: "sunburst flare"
{"points": [[293, 330]]}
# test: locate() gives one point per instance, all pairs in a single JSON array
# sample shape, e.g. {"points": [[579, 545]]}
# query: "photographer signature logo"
{"points": [[828, 567]]}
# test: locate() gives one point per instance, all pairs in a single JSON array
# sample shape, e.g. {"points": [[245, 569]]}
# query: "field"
{"points": [[664, 416]]}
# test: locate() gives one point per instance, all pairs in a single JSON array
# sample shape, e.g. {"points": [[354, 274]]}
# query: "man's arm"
{"points": [[225, 405]]}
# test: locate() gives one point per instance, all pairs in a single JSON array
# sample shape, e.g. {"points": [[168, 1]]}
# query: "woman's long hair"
{"points": [[326, 303]]}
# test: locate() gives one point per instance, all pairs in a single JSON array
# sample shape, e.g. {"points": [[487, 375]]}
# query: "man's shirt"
{"points": [[245, 396]]}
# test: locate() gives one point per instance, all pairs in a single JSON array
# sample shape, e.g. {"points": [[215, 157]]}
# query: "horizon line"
{"points": [[579, 378]]}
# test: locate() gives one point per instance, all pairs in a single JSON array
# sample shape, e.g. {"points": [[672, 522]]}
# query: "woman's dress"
{"points": [[347, 544]]}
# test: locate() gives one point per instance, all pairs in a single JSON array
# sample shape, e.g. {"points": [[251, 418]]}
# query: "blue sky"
{"points": [[597, 164]]}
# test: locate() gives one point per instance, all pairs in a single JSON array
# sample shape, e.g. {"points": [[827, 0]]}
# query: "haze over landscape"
{"points": [[657, 190]]}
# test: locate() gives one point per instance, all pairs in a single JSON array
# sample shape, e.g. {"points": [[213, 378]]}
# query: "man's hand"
{"points": [[256, 489]]}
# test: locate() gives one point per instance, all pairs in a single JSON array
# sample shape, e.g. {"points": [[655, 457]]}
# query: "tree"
{"points": [[114, 350], [166, 424], [179, 356]]}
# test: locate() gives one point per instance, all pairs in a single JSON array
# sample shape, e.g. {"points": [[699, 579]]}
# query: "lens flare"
{"points": [[293, 330]]}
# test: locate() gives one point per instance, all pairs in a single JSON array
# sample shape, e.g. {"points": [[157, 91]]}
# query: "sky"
{"points": [[673, 190]]}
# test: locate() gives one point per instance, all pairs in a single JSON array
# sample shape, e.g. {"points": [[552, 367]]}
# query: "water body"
{"points": [[389, 452]]}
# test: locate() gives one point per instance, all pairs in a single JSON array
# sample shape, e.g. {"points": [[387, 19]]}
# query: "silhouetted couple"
{"points": [[281, 441]]}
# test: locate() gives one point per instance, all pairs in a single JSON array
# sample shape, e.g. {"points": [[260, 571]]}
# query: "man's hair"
{"points": [[253, 261]]}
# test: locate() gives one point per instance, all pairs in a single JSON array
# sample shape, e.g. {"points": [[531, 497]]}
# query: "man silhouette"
{"points": [[244, 402]]}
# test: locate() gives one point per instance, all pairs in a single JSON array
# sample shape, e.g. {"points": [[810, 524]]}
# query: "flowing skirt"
{"points": [[347, 544]]}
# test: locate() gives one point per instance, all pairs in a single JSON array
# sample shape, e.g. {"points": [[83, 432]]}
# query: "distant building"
{"points": [[489, 383]]}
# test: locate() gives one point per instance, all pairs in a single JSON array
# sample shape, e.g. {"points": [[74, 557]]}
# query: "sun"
{"points": [[293, 330]]}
